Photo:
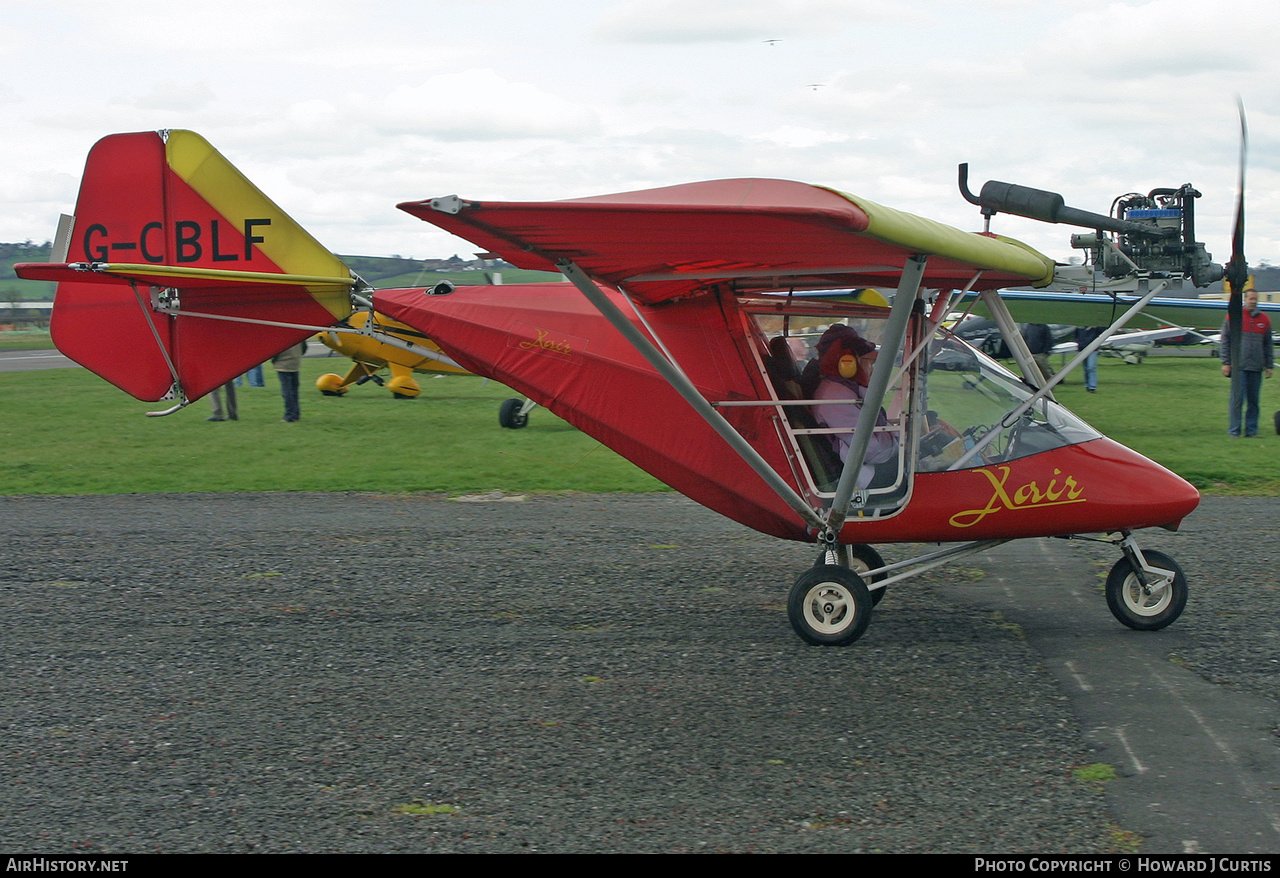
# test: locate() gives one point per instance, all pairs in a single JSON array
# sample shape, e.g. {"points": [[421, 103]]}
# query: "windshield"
{"points": [[970, 404]]}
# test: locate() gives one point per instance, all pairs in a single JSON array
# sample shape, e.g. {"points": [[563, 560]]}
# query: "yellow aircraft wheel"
{"points": [[330, 385], [403, 387]]}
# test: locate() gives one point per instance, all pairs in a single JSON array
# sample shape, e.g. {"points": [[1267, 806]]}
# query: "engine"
{"points": [[1169, 248], [1152, 234]]}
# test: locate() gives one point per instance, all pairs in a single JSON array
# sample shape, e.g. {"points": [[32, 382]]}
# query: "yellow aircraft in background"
{"points": [[370, 356]]}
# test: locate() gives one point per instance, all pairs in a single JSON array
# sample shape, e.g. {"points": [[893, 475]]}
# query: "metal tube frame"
{"points": [[926, 562], [384, 338], [1009, 329], [1047, 388], [180, 393]]}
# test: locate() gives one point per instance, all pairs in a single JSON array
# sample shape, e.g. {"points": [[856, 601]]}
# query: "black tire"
{"points": [[865, 559], [829, 606], [862, 559], [509, 414], [1145, 612]]}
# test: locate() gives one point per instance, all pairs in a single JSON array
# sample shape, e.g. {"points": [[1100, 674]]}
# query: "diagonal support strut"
{"points": [[895, 332], [682, 385]]}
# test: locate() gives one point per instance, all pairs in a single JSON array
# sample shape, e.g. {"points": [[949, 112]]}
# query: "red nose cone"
{"points": [[1140, 490]]}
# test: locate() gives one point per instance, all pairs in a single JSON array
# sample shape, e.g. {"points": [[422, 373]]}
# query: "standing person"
{"points": [[287, 363], [229, 413], [1039, 339], [1256, 359], [253, 377], [1085, 336]]}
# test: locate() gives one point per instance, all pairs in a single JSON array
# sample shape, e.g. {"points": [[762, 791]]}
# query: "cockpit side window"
{"points": [[821, 405], [952, 408]]}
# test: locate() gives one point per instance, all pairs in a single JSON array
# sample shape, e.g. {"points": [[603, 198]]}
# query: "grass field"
{"points": [[67, 432], [1174, 411], [25, 340]]}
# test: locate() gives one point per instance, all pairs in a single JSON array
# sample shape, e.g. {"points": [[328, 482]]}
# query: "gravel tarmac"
{"points": [[408, 673]]}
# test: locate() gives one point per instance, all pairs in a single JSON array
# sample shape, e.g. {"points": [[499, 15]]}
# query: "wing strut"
{"points": [[682, 385], [895, 331], [1017, 344]]}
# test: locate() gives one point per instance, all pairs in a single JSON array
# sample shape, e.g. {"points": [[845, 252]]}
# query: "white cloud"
{"points": [[480, 104], [340, 110], [175, 97], [800, 138], [722, 21]]}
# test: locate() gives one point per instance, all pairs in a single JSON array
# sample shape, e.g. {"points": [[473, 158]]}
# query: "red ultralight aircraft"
{"points": [[681, 341]]}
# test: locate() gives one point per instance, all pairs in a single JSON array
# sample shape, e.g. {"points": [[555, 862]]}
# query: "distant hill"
{"points": [[376, 268], [13, 288], [387, 272]]}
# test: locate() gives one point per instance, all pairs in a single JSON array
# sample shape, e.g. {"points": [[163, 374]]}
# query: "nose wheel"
{"points": [[829, 605], [1149, 598]]}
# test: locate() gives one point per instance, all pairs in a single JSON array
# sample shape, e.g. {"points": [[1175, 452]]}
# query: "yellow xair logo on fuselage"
{"points": [[543, 341], [1029, 495]]}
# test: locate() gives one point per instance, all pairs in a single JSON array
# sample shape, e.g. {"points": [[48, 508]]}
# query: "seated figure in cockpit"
{"points": [[845, 368]]}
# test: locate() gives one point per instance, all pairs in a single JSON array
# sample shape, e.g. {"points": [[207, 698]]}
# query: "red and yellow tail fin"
{"points": [[181, 274]]}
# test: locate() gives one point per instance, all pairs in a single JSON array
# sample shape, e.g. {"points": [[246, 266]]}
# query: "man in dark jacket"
{"points": [[1085, 336], [1039, 339], [1256, 359]]}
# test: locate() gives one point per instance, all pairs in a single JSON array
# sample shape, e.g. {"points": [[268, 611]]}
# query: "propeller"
{"points": [[1237, 271]]}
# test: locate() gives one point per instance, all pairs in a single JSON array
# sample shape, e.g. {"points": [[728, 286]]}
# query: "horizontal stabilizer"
{"points": [[172, 275]]}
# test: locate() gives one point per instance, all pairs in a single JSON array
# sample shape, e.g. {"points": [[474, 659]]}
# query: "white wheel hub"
{"points": [[829, 608], [1148, 604]]}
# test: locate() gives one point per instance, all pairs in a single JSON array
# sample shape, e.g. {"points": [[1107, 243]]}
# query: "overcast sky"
{"points": [[340, 110]]}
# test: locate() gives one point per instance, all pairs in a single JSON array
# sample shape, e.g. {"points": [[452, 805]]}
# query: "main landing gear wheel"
{"points": [[829, 606], [509, 414], [861, 559], [1141, 611]]}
